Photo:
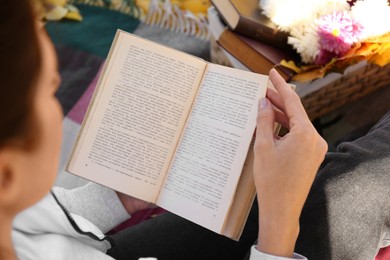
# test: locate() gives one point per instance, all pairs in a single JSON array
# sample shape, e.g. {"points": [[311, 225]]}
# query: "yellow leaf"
{"points": [[384, 47], [290, 65], [367, 49], [143, 4], [380, 39], [195, 6], [57, 13], [72, 15], [382, 58]]}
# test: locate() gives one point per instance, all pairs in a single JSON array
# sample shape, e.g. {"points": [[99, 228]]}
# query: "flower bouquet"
{"points": [[331, 35]]}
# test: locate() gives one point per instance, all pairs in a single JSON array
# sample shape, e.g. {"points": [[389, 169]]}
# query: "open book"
{"points": [[170, 128]]}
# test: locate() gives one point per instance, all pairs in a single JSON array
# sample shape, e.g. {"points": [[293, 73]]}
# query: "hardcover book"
{"points": [[259, 57], [245, 17]]}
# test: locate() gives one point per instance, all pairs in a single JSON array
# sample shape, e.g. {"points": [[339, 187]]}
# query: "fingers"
{"points": [[275, 99], [279, 108], [289, 101], [265, 123], [281, 118]]}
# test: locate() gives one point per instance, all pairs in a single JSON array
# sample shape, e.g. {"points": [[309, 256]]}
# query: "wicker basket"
{"points": [[349, 87], [326, 95]]}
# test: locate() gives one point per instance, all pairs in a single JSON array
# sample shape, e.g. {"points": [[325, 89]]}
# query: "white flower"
{"points": [[288, 14], [374, 16], [306, 42], [298, 19]]}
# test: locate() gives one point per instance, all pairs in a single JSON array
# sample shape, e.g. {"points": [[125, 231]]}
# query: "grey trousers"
{"points": [[347, 213], [346, 216]]}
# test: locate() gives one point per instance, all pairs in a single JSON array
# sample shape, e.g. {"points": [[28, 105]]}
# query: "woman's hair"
{"points": [[20, 66]]}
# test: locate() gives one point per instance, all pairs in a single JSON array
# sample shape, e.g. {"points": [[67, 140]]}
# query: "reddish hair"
{"points": [[19, 69]]}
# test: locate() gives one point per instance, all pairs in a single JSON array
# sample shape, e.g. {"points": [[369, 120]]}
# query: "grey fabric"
{"points": [[347, 214], [99, 204]]}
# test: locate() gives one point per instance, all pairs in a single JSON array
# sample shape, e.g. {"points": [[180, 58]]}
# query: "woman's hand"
{"points": [[132, 204], [284, 167]]}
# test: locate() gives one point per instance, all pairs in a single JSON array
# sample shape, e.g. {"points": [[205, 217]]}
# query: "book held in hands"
{"points": [[172, 129]]}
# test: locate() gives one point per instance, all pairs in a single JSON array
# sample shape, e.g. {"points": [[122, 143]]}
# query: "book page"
{"points": [[245, 192], [243, 199], [210, 156], [137, 116]]}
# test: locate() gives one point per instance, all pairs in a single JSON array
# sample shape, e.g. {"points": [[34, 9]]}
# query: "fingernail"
{"points": [[263, 103]]}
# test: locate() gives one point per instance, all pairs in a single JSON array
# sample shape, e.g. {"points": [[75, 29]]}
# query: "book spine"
{"points": [[248, 56], [259, 32]]}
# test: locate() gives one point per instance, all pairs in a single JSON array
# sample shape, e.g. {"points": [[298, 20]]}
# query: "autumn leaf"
{"points": [[381, 39], [374, 52], [290, 65], [382, 57]]}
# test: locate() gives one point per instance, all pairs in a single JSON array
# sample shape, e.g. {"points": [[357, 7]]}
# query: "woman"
{"points": [[31, 134], [71, 224]]}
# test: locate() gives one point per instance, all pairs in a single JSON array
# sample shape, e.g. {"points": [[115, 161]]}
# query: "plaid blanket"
{"points": [[184, 16], [81, 50]]}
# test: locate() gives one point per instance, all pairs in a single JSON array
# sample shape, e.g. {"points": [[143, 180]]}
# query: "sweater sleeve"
{"points": [[94, 202], [257, 255]]}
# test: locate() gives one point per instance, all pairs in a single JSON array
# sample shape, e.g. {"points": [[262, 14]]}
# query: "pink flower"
{"points": [[324, 57], [337, 32]]}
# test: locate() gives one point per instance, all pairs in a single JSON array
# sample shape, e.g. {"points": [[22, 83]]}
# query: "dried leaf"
{"points": [[381, 39], [290, 65], [309, 75], [76, 16], [57, 13], [367, 49], [343, 64], [195, 6], [352, 51], [382, 58]]}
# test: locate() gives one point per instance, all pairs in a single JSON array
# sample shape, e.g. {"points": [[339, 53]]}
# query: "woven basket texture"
{"points": [[346, 89]]}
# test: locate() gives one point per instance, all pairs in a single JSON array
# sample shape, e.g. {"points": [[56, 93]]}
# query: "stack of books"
{"points": [[248, 37]]}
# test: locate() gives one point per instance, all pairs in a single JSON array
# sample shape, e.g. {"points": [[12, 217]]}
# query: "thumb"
{"points": [[265, 122]]}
